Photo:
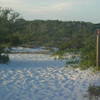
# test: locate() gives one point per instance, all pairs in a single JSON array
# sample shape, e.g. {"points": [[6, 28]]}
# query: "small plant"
{"points": [[94, 92], [4, 59]]}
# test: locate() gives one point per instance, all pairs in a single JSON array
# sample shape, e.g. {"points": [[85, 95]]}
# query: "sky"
{"points": [[65, 10]]}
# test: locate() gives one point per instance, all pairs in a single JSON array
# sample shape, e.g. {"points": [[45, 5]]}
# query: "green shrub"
{"points": [[94, 92], [4, 59]]}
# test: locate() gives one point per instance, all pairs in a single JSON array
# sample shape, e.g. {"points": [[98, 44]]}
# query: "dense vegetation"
{"points": [[8, 37], [67, 36], [72, 35], [54, 33]]}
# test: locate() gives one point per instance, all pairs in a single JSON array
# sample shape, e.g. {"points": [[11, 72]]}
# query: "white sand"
{"points": [[49, 83]]}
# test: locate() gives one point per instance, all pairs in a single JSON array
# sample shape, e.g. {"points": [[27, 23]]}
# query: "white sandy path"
{"points": [[50, 83]]}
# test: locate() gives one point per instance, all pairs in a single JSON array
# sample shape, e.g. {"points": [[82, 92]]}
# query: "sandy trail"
{"points": [[49, 83]]}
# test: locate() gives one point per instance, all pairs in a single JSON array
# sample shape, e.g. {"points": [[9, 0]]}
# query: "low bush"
{"points": [[4, 59], [94, 92]]}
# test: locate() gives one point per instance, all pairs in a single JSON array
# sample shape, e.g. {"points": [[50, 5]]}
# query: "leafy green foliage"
{"points": [[94, 92], [88, 53], [54, 33], [7, 28], [4, 59]]}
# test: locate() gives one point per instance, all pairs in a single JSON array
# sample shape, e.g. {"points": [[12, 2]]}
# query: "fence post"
{"points": [[98, 48]]}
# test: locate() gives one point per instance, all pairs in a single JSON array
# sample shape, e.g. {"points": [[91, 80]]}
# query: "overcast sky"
{"points": [[66, 10]]}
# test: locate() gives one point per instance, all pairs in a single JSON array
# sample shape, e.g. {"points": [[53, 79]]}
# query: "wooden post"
{"points": [[98, 48]]}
